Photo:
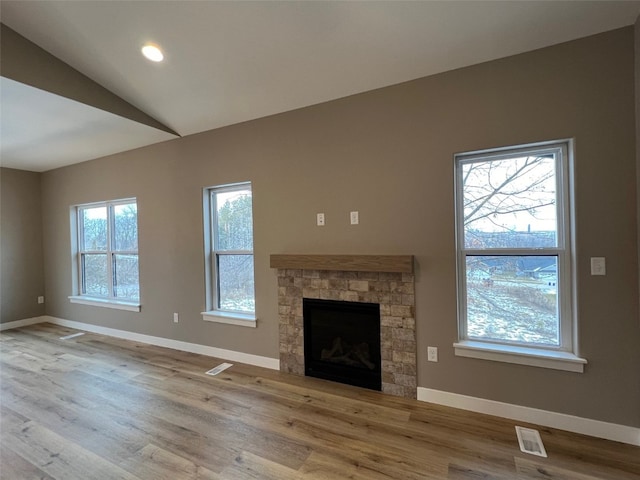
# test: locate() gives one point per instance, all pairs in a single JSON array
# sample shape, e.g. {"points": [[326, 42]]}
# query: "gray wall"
{"points": [[21, 257], [637, 56], [389, 154]]}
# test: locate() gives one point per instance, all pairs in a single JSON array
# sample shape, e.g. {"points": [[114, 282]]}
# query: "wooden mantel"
{"points": [[345, 263]]}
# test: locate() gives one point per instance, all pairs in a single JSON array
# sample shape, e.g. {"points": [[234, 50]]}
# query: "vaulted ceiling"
{"points": [[75, 87]]}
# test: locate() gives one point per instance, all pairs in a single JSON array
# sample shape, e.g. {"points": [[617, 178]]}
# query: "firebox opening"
{"points": [[342, 342]]}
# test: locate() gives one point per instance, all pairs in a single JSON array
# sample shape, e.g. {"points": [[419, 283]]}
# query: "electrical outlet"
{"points": [[598, 266], [432, 354], [320, 219], [175, 318], [40, 299]]}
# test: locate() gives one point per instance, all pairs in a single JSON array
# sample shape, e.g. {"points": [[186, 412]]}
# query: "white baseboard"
{"points": [[232, 355], [22, 323], [585, 426]]}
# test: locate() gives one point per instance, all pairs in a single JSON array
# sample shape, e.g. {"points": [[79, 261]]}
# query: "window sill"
{"points": [[535, 357], [242, 319], [105, 302]]}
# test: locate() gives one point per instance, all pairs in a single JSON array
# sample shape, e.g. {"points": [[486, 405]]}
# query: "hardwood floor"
{"points": [[96, 407]]}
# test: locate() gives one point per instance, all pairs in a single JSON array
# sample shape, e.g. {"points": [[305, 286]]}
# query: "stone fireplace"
{"points": [[384, 280]]}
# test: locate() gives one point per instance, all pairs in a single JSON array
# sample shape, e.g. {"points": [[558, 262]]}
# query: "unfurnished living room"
{"points": [[319, 240]]}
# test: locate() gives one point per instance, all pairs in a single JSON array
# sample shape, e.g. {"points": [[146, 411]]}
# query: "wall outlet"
{"points": [[40, 299], [175, 318], [432, 354], [320, 219], [355, 219], [598, 266]]}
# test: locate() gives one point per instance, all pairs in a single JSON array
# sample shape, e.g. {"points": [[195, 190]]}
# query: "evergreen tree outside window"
{"points": [[231, 255], [107, 253]]}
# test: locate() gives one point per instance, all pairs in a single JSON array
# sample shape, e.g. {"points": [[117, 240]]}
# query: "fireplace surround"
{"points": [[384, 280]]}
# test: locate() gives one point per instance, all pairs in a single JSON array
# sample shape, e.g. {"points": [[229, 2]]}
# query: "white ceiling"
{"points": [[233, 61], [41, 130]]}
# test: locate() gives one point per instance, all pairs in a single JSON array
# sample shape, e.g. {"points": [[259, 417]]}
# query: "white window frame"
{"points": [[565, 355], [213, 312], [78, 250]]}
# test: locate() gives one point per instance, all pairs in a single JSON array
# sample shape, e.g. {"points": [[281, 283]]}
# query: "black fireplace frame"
{"points": [[360, 377]]}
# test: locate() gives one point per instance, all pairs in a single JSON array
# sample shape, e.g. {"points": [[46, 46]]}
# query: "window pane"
{"points": [[510, 203], [94, 268], [94, 228], [236, 287], [125, 269], [513, 299], [234, 229], [126, 227]]}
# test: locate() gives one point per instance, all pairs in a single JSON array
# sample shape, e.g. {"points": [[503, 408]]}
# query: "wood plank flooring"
{"points": [[97, 407]]}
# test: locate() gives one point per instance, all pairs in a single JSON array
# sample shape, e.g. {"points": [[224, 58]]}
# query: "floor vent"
{"points": [[219, 368], [530, 441], [73, 335]]}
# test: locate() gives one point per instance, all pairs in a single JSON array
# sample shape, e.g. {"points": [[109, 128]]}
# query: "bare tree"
{"points": [[502, 193], [502, 187], [502, 200]]}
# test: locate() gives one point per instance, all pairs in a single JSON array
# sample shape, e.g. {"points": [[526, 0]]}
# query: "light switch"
{"points": [[355, 218], [598, 266]]}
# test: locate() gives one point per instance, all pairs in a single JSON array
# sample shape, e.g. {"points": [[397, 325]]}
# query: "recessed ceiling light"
{"points": [[152, 52]]}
